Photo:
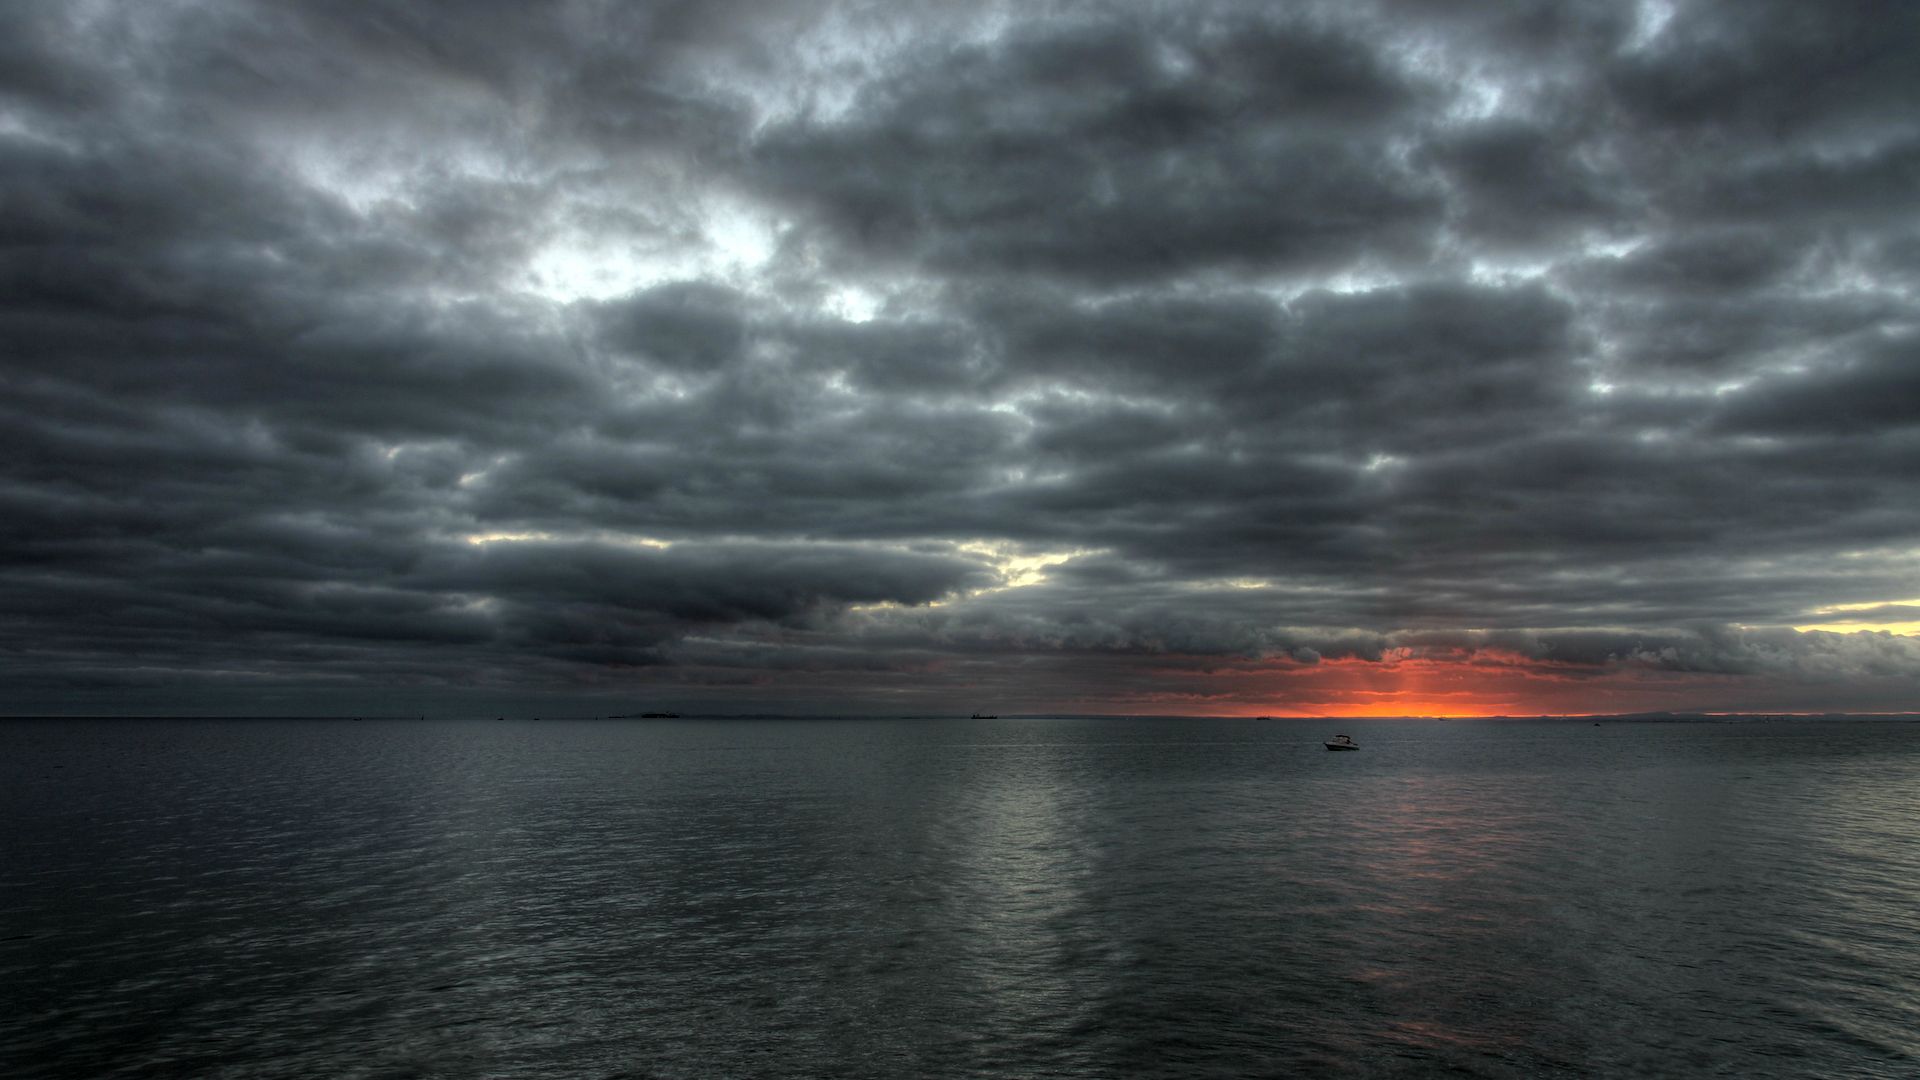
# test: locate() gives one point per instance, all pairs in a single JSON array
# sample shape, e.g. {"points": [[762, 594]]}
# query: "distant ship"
{"points": [[984, 716]]}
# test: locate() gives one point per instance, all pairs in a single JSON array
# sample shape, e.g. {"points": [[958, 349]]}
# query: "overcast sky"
{"points": [[1398, 357]]}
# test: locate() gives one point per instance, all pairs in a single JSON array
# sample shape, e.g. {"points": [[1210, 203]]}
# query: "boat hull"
{"points": [[1337, 746]]}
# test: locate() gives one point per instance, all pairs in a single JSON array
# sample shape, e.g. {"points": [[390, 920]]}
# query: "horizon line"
{"points": [[1656, 715]]}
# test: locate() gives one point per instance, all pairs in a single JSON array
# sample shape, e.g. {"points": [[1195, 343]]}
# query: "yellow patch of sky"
{"points": [[1844, 625], [507, 537], [1016, 570]]}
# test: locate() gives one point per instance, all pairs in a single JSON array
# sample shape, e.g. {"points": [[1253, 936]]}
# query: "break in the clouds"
{"points": [[1407, 356]]}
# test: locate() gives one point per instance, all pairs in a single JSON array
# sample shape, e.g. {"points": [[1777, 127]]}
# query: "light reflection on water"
{"points": [[1016, 898]]}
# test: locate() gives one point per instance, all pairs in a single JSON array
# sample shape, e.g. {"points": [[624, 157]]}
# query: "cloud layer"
{"points": [[1406, 356]]}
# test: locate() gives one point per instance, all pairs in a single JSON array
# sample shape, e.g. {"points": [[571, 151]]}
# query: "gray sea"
{"points": [[996, 898]]}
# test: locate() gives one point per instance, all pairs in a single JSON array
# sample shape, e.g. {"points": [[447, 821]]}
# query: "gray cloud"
{"points": [[851, 353], [1118, 149]]}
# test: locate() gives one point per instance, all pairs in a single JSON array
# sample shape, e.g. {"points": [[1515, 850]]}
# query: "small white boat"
{"points": [[1343, 742]]}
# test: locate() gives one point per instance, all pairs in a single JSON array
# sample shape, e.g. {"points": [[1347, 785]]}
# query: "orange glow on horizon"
{"points": [[1405, 707], [1488, 685], [1461, 684]]}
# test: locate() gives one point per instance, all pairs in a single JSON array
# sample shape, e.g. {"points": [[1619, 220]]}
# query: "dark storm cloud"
{"points": [[1113, 149], [1869, 391], [1520, 182], [1763, 71], [1152, 344], [851, 350], [712, 583], [1718, 306]]}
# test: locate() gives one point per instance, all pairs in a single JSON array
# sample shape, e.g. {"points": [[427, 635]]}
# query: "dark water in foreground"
{"points": [[994, 898]]}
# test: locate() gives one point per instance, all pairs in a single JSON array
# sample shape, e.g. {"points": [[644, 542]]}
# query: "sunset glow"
{"points": [[1483, 686]]}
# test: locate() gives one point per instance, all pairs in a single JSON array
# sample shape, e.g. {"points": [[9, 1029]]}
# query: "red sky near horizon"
{"points": [[1490, 683]]}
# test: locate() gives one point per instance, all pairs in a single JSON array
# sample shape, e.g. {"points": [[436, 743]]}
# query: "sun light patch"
{"points": [[1888, 616]]}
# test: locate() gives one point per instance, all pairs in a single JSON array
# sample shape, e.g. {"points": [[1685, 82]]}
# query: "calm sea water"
{"points": [[1030, 898]]}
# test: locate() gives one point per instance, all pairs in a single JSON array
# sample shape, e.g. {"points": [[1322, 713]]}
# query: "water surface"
{"points": [[275, 898]]}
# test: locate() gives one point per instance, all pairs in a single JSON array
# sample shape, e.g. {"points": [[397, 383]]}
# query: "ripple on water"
{"points": [[1148, 898]]}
